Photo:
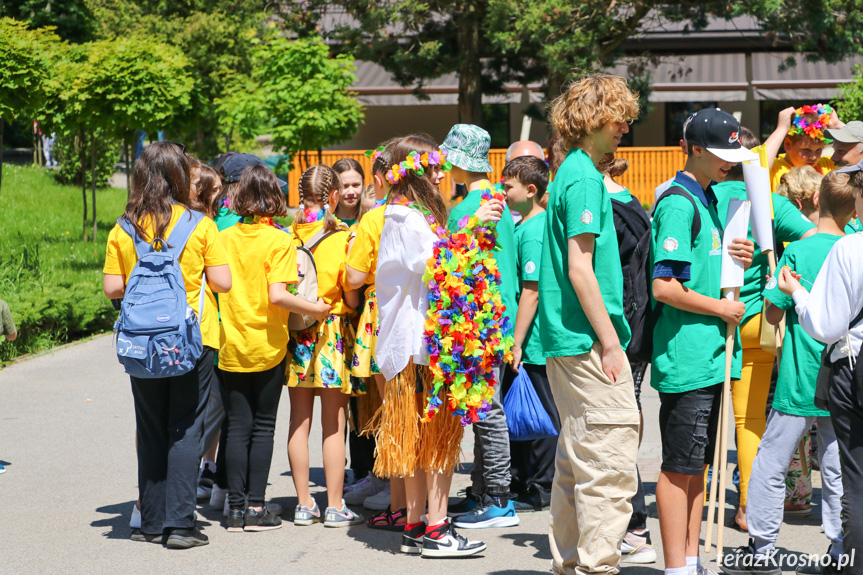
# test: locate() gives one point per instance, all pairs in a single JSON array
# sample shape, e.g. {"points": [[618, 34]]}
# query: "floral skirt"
{"points": [[405, 444], [363, 360], [320, 355]]}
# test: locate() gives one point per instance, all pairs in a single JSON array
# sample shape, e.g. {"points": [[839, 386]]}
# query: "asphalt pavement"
{"points": [[67, 434]]}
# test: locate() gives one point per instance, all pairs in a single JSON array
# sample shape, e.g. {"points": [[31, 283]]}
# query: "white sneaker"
{"points": [[379, 501], [638, 549], [362, 483], [135, 521], [361, 492], [218, 497]]}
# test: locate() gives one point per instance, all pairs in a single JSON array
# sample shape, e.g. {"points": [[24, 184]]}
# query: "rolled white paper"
{"points": [[736, 226], [757, 181]]}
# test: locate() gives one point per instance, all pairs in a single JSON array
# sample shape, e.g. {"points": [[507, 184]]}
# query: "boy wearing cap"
{"points": [[584, 334], [488, 500], [848, 151], [688, 362]]}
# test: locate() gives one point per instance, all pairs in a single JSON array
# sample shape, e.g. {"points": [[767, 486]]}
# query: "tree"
{"points": [[301, 92], [24, 70], [72, 19], [850, 101]]}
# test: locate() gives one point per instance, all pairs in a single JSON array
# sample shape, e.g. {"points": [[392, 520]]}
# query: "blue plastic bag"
{"points": [[525, 416]]}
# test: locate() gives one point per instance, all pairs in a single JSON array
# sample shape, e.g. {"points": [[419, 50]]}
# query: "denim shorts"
{"points": [[687, 423]]}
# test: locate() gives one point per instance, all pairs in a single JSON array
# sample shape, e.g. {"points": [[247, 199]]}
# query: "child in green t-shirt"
{"points": [[688, 361], [584, 333], [793, 403], [525, 180]]}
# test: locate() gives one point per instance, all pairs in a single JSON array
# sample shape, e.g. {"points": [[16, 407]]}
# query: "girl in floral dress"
{"points": [[321, 354]]}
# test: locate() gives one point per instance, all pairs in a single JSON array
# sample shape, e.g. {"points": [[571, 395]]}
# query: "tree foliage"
{"points": [[850, 101]]}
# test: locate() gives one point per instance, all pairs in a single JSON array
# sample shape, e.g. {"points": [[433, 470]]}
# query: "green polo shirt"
{"points": [[801, 354], [689, 348], [789, 223], [578, 204], [528, 239], [504, 255], [854, 226]]}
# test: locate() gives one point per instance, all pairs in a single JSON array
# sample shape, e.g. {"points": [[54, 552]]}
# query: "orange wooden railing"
{"points": [[648, 167]]}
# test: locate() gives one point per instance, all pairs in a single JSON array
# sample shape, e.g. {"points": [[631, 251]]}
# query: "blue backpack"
{"points": [[158, 334]]}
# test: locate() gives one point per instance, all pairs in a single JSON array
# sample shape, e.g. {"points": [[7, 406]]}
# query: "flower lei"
{"points": [[465, 331], [313, 216], [417, 164], [815, 130], [373, 154], [267, 221]]}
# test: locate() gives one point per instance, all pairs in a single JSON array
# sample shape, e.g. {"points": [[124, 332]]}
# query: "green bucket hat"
{"points": [[467, 147]]}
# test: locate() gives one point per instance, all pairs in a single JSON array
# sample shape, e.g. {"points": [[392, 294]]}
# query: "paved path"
{"points": [[67, 439]]}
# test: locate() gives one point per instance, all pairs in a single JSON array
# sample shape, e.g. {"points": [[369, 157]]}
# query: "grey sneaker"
{"points": [[343, 517], [305, 516]]}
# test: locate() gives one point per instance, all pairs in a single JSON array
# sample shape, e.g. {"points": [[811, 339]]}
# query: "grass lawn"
{"points": [[51, 279]]}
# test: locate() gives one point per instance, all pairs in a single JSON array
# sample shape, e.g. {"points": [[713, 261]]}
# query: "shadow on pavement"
{"points": [[119, 524], [537, 541]]}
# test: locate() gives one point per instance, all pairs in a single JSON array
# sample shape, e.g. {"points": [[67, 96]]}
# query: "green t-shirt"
{"points": [[801, 354], [7, 326], [578, 204], [226, 218], [528, 238], [689, 348], [854, 226], [790, 224], [504, 254], [623, 196]]}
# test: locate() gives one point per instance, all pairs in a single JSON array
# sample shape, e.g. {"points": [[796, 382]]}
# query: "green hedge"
{"points": [[51, 279]]}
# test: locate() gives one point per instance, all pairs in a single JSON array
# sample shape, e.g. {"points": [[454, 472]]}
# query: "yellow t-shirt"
{"points": [[254, 334], [204, 249], [330, 256], [363, 256], [781, 166]]}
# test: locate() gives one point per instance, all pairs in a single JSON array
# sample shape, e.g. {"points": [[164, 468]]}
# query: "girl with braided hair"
{"points": [[321, 353]]}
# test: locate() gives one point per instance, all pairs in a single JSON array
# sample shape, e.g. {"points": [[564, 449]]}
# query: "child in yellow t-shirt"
{"points": [[802, 133], [254, 340], [320, 354]]}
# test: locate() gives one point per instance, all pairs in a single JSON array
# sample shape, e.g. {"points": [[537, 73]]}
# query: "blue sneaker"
{"points": [[2, 469], [489, 514]]}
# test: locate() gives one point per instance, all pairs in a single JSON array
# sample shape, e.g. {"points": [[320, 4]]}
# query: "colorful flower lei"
{"points": [[815, 130], [373, 154], [417, 164], [465, 332], [267, 221], [313, 216]]}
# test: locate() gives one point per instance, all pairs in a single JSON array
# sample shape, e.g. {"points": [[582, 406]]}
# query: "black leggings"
{"points": [[251, 404]]}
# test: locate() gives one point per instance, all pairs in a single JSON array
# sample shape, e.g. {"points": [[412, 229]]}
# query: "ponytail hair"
{"points": [[416, 188], [316, 185]]}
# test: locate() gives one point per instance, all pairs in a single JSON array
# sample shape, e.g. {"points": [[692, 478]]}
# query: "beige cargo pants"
{"points": [[594, 477]]}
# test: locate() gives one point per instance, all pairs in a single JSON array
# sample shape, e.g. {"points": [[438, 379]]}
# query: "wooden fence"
{"points": [[648, 167]]}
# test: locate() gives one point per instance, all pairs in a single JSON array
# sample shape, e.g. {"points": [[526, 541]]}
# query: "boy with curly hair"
{"points": [[585, 334]]}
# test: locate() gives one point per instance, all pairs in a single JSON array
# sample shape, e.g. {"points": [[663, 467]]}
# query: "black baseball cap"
{"points": [[234, 166], [719, 133]]}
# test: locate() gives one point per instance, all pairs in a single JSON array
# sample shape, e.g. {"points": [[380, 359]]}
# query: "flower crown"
{"points": [[417, 164], [800, 125], [373, 154]]}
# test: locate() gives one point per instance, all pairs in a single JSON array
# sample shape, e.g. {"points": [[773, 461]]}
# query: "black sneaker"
{"points": [[412, 540], [814, 565], [138, 535], [534, 498], [744, 562], [466, 504], [261, 520], [186, 538], [445, 542], [235, 520]]}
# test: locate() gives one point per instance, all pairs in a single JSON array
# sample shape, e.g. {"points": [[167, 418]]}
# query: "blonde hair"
{"points": [[836, 197], [368, 191], [316, 185], [589, 103], [800, 185]]}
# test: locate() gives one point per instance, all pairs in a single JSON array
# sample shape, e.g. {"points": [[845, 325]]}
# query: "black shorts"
{"points": [[687, 422]]}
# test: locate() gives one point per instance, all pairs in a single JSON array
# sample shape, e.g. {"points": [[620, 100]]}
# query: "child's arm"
{"points": [[773, 314], [354, 278], [281, 297], [527, 305], [586, 286], [352, 298], [774, 143], [219, 278], [114, 286], [671, 291]]}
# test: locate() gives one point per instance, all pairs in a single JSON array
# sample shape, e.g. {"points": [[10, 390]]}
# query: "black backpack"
{"points": [[638, 276]]}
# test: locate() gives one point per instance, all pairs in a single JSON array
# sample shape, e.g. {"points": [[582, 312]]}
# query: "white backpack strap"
{"points": [[201, 296]]}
